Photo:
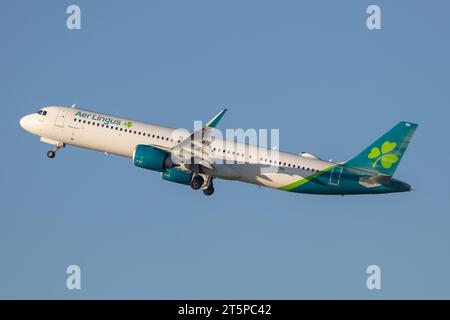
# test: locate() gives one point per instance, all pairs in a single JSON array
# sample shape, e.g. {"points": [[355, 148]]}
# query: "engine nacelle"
{"points": [[151, 158], [177, 176]]}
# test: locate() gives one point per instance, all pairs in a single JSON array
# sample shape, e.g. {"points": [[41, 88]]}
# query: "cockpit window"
{"points": [[42, 112]]}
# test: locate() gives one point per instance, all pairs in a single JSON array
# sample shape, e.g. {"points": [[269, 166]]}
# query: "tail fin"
{"points": [[384, 155]]}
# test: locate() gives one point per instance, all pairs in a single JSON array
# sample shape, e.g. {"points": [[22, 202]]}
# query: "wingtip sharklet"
{"points": [[215, 121]]}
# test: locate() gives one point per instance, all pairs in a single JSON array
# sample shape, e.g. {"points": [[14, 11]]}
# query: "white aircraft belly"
{"points": [[269, 176], [115, 143]]}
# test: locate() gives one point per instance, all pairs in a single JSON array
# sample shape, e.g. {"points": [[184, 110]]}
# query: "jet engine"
{"points": [[151, 158], [177, 176]]}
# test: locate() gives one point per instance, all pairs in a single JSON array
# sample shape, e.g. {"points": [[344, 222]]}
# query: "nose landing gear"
{"points": [[52, 153]]}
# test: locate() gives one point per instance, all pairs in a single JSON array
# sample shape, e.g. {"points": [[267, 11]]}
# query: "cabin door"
{"points": [[61, 118], [335, 176]]}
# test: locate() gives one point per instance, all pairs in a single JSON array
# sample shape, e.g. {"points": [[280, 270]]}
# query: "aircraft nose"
{"points": [[25, 122]]}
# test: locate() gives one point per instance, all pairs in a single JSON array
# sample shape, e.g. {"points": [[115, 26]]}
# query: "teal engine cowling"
{"points": [[177, 176], [151, 158]]}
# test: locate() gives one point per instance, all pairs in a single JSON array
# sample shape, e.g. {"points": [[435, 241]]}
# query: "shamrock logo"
{"points": [[128, 124], [385, 156]]}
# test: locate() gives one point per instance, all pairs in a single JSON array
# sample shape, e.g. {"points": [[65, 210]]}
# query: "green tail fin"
{"points": [[384, 155]]}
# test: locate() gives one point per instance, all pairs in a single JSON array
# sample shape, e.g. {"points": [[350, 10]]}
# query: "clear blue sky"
{"points": [[310, 68]]}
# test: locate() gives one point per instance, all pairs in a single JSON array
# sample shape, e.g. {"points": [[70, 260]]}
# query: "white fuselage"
{"points": [[106, 133]]}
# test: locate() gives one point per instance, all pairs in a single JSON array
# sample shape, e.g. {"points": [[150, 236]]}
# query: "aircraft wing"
{"points": [[196, 148]]}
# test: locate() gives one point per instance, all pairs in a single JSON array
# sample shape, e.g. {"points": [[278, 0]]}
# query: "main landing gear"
{"points": [[209, 190], [52, 153], [198, 181]]}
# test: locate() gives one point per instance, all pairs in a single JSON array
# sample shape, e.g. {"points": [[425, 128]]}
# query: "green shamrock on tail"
{"points": [[387, 158]]}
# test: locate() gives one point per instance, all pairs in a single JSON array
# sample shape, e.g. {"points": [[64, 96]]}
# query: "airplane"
{"points": [[182, 158]]}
